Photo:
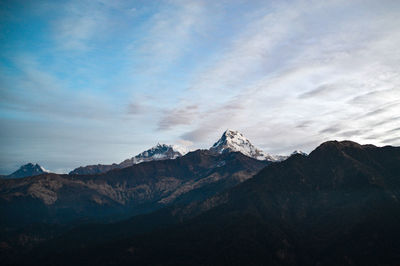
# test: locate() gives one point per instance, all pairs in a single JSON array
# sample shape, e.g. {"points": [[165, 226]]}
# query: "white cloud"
{"points": [[168, 35], [286, 70]]}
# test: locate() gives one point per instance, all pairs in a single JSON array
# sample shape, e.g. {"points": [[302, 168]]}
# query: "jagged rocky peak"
{"points": [[234, 141], [28, 169]]}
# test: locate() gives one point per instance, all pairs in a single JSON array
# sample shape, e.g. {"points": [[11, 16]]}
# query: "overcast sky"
{"points": [[85, 82]]}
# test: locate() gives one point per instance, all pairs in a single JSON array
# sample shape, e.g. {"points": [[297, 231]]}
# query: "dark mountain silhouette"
{"points": [[337, 206]]}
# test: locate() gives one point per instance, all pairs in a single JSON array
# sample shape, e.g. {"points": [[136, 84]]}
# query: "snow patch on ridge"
{"points": [[158, 152]]}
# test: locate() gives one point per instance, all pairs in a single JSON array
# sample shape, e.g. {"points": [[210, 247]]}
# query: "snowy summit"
{"points": [[234, 141], [158, 152]]}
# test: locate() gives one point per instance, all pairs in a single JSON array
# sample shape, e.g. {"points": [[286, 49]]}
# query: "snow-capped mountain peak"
{"points": [[234, 141], [158, 152]]}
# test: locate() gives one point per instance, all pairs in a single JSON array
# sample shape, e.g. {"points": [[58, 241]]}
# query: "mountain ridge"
{"points": [[127, 191], [230, 141], [337, 206], [158, 152]]}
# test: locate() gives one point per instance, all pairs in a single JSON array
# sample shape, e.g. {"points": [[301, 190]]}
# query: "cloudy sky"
{"points": [[84, 82]]}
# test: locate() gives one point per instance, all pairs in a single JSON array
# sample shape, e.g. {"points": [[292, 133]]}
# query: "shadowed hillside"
{"points": [[337, 206]]}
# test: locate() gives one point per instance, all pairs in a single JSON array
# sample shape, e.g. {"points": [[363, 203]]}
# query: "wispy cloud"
{"points": [[288, 74], [282, 56], [169, 33], [176, 117]]}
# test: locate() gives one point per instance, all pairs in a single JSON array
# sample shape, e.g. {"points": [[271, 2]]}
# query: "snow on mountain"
{"points": [[28, 169], [158, 152], [181, 149], [234, 141], [298, 152]]}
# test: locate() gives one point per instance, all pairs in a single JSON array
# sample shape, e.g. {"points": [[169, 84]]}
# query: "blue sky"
{"points": [[84, 82]]}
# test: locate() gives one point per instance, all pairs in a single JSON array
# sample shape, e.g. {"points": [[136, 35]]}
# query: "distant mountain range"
{"points": [[123, 192], [231, 204], [230, 141]]}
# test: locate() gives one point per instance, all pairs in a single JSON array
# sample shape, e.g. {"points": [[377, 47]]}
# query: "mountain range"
{"points": [[158, 152], [229, 205], [122, 192], [230, 141], [337, 206]]}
